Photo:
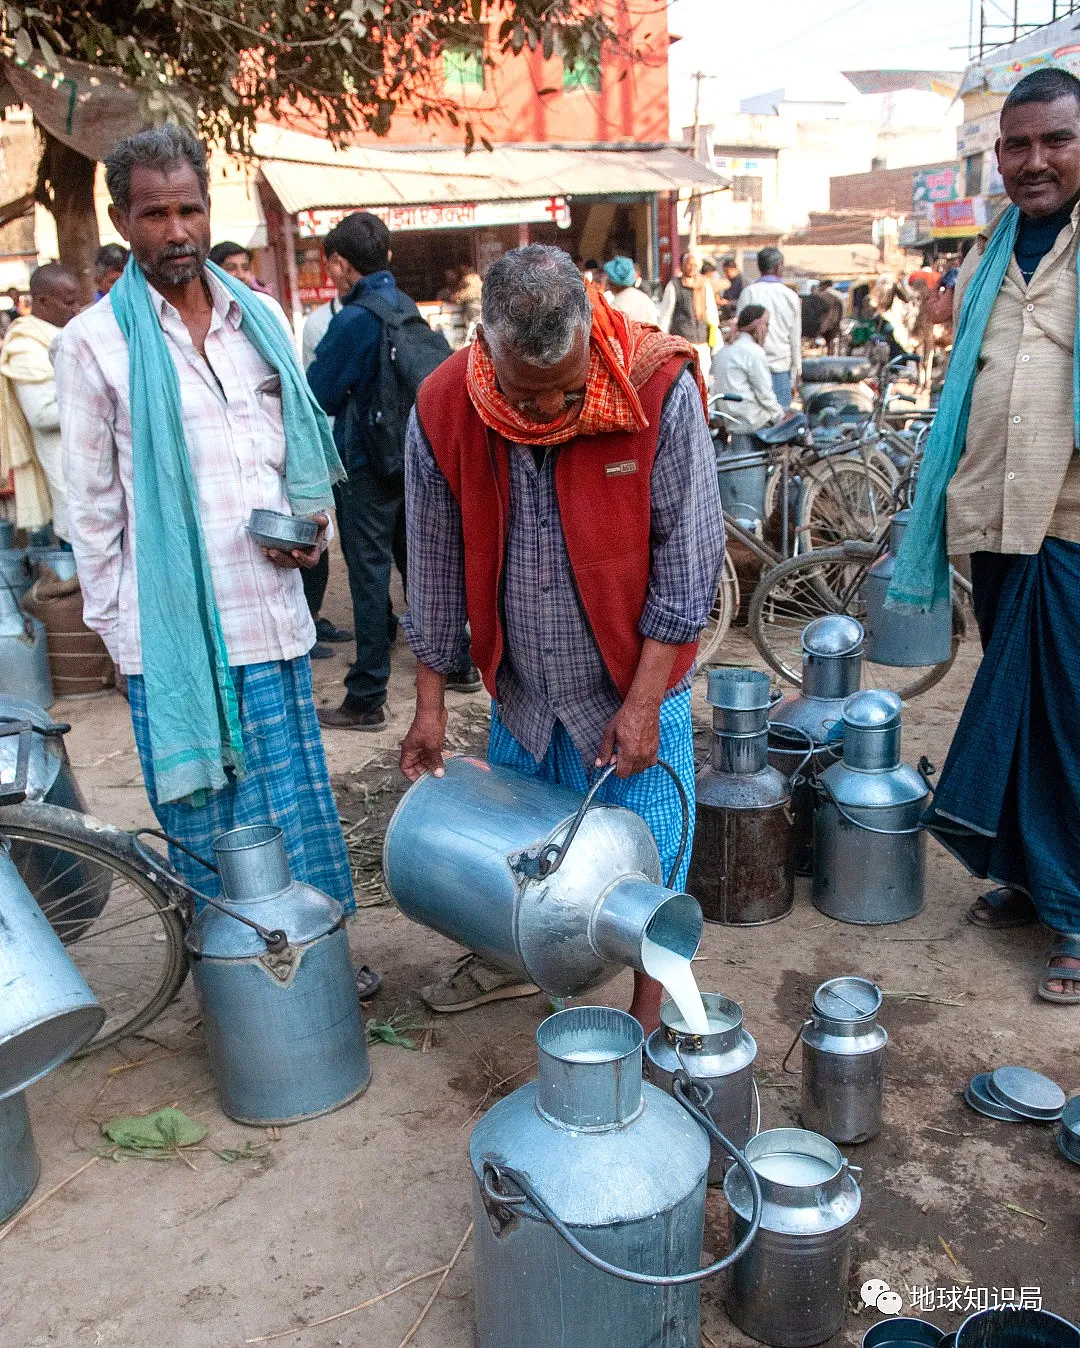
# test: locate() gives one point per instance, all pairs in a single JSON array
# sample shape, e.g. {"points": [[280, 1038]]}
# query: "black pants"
{"points": [[370, 512], [315, 581]]}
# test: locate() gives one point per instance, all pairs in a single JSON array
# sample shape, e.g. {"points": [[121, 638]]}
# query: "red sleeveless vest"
{"points": [[603, 486]]}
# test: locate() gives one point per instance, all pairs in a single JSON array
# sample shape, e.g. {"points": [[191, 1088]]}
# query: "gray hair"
{"points": [[162, 148], [534, 304], [770, 262]]}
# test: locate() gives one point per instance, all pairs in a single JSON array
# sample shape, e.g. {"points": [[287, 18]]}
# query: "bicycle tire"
{"points": [[781, 656], [723, 612], [85, 838], [820, 490]]}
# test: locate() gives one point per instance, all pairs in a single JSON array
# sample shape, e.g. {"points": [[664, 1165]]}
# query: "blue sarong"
{"points": [[651, 793], [1008, 804], [286, 782]]}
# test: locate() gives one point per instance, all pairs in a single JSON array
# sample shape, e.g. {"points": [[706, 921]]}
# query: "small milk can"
{"points": [[869, 852], [537, 879], [903, 637], [280, 1007], [24, 653], [740, 870], [723, 1059], [790, 1290], [19, 1164], [550, 1170], [843, 1061], [832, 656]]}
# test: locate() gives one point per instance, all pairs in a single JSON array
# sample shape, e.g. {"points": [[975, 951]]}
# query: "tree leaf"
{"points": [[24, 48], [48, 53]]}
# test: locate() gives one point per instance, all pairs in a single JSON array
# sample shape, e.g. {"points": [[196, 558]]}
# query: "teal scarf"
{"points": [[921, 575], [191, 702]]}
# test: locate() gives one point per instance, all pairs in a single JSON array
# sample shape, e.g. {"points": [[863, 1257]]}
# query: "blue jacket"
{"points": [[346, 362]]}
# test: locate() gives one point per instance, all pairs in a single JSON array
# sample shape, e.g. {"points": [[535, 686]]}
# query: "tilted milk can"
{"points": [[19, 1164], [832, 656], [740, 870], [790, 1290], [281, 1012], [723, 1059], [843, 1061], [542, 882], [589, 1199], [903, 637], [869, 852]]}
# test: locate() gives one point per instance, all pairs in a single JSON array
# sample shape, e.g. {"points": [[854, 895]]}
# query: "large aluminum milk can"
{"points": [[742, 471], [790, 1290], [19, 1164], [832, 656], [24, 654], [281, 1012], [843, 1061], [869, 852], [723, 1059], [903, 637], [589, 1199], [540, 881], [740, 870]]}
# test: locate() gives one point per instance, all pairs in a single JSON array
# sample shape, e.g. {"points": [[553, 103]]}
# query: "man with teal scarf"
{"points": [[1000, 483], [183, 407]]}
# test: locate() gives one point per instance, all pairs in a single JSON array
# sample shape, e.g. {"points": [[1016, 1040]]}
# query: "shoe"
{"points": [[465, 680], [349, 718], [472, 984], [368, 982], [321, 652], [326, 631]]}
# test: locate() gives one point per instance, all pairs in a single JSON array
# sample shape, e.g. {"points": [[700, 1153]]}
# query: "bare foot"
{"points": [[1068, 986]]}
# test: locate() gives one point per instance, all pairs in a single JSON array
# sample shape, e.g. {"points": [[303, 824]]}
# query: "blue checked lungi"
{"points": [[651, 793], [286, 782], [1008, 805]]}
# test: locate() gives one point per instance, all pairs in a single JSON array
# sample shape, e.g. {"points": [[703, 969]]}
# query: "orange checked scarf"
{"points": [[623, 356]]}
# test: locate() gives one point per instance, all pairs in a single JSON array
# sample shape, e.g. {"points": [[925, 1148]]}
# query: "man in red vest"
{"points": [[561, 497]]}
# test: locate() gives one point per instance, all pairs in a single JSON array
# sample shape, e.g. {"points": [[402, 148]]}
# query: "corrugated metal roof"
{"points": [[308, 174]]}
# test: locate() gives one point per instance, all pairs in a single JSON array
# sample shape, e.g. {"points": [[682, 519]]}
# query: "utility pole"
{"points": [[695, 200]]}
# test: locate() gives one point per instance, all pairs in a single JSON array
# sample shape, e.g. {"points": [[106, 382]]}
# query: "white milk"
{"points": [[589, 1055], [677, 975]]}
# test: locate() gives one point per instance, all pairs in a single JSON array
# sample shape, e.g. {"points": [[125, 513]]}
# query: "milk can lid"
{"points": [[873, 709], [738, 689], [848, 998], [833, 634]]}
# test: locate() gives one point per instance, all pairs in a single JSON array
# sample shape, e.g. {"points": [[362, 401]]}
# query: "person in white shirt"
{"points": [[688, 309], [783, 346], [623, 294], [743, 369]]}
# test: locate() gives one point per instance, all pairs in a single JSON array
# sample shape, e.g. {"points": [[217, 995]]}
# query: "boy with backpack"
{"points": [[367, 368]]}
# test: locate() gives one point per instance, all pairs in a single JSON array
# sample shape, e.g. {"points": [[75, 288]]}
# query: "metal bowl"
{"points": [[982, 1103], [902, 1330], [272, 529], [1027, 1093], [1068, 1136], [1007, 1327]]}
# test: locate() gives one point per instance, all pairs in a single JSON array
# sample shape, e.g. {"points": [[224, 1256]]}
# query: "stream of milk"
{"points": [[677, 975]]}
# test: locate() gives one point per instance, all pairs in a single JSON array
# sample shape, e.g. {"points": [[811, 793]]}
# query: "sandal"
{"points": [[1006, 908], [368, 982], [1064, 947]]}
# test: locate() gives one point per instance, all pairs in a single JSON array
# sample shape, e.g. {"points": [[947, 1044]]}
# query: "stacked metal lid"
{"points": [[1019, 1095]]}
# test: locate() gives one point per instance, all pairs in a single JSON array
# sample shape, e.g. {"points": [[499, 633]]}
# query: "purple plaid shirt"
{"points": [[552, 669]]}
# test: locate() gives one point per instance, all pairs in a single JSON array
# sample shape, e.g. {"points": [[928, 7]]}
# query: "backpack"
{"points": [[408, 352]]}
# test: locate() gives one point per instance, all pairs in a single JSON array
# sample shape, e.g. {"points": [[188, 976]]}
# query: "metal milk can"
{"points": [[24, 655], [832, 656], [900, 636], [742, 470], [19, 1164], [740, 869], [790, 1290], [843, 1061], [551, 1166], [869, 852], [537, 879], [16, 573], [279, 1001], [723, 1059]]}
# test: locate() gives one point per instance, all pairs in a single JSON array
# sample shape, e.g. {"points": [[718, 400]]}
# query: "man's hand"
{"points": [[306, 558], [632, 738], [421, 749]]}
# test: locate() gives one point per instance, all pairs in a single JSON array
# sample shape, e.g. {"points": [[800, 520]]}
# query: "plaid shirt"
{"points": [[236, 444], [553, 670]]}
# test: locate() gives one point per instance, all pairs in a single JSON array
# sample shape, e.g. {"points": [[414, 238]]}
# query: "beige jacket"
{"points": [[1019, 477]]}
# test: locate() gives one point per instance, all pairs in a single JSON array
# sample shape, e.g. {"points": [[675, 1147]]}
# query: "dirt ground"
{"points": [[331, 1213]]}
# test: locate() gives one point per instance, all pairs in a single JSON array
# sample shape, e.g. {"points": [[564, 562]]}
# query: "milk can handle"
{"points": [[549, 864], [787, 1056], [495, 1174], [15, 791], [867, 828], [796, 730]]}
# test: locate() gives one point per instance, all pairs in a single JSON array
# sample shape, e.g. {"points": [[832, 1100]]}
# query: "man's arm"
{"points": [[39, 405], [345, 359], [796, 336], [760, 381], [667, 308]]}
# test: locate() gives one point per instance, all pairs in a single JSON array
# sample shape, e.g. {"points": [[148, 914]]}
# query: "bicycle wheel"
{"points": [[842, 498], [723, 611], [828, 581], [123, 930]]}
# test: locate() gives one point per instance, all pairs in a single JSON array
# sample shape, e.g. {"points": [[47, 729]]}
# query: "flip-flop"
{"points": [[368, 982], [1069, 948], [1008, 908]]}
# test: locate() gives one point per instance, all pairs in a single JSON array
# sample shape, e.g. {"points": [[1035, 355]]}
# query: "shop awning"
{"points": [[307, 174]]}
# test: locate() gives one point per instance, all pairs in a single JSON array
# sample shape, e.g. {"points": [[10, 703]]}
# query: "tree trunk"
{"points": [[65, 188]]}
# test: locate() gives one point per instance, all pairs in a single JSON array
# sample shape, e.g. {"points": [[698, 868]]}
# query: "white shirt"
{"points": [[39, 406], [635, 304], [743, 368], [783, 341], [236, 444], [315, 326]]}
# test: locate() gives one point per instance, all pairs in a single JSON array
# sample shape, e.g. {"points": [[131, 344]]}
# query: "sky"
{"points": [[752, 48]]}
